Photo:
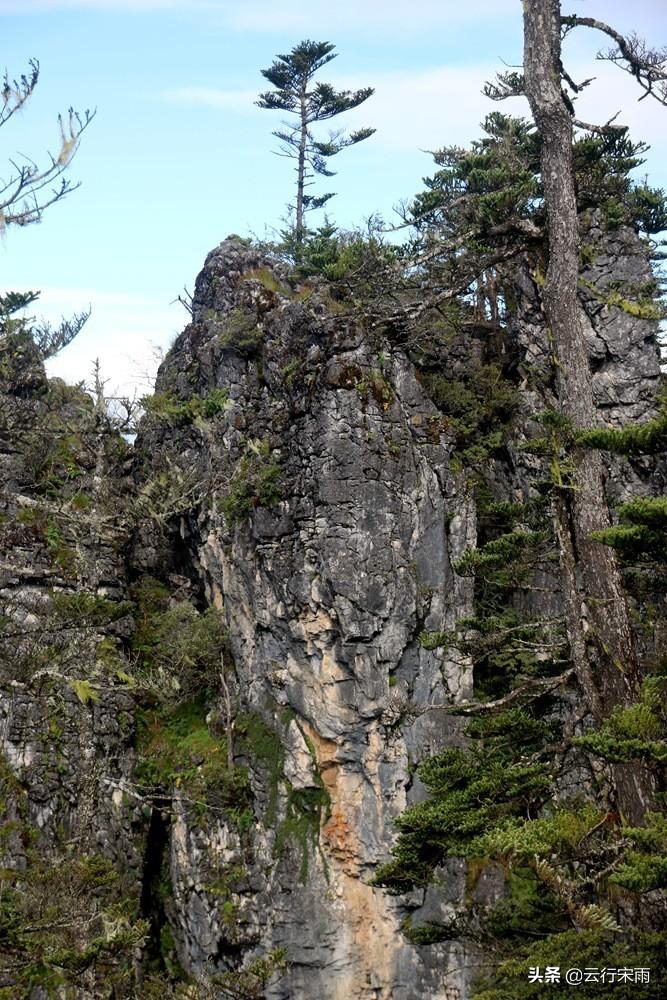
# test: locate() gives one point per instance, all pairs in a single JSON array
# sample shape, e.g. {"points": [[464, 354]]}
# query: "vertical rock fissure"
{"points": [[152, 901]]}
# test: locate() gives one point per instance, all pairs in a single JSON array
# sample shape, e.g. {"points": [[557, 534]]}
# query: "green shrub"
{"points": [[175, 747], [470, 791], [64, 920], [479, 408], [634, 732], [258, 481], [644, 866], [588, 949], [167, 407], [177, 650], [240, 330], [649, 438]]}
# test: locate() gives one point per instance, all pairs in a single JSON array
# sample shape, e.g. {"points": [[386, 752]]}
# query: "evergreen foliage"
{"points": [[508, 645], [309, 103], [587, 949], [479, 408], [168, 407], [258, 481], [43, 912], [649, 438], [499, 799], [470, 790], [644, 537], [492, 184], [484, 205], [49, 340], [637, 731], [568, 857], [177, 650]]}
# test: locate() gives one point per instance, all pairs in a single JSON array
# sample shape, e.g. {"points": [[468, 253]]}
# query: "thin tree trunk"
{"points": [[229, 716], [596, 610], [301, 171]]}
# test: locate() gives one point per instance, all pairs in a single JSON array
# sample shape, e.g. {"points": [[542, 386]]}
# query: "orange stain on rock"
{"points": [[373, 928]]}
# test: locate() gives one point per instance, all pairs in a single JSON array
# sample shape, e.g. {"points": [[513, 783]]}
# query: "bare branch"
{"points": [[533, 688], [605, 129], [29, 189], [648, 66], [15, 93], [576, 87]]}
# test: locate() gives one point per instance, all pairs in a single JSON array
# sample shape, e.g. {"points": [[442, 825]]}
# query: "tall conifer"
{"points": [[292, 76]]}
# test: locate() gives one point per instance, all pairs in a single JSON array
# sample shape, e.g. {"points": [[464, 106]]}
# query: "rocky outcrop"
{"points": [[67, 720], [294, 478], [328, 525], [62, 588]]}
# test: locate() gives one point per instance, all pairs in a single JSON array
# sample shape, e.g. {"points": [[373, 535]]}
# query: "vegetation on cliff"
{"points": [[552, 774]]}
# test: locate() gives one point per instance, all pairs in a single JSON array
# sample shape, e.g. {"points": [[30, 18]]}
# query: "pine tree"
{"points": [[522, 192], [49, 340], [591, 576], [292, 75]]}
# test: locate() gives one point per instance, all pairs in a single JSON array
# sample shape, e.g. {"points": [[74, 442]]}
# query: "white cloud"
{"points": [[410, 110], [225, 100], [301, 15], [304, 15], [443, 105], [426, 109]]}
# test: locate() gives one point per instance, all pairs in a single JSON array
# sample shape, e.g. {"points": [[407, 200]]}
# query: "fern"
{"points": [[84, 691]]}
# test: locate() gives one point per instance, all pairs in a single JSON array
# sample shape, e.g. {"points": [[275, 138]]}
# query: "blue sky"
{"points": [[178, 156]]}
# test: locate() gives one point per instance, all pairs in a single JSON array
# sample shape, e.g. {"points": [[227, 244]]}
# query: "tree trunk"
{"points": [[301, 170], [596, 610]]}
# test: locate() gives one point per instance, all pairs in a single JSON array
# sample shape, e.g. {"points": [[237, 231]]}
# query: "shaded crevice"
{"points": [[155, 865]]}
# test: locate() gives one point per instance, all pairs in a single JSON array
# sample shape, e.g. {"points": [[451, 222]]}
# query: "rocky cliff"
{"points": [[218, 669]]}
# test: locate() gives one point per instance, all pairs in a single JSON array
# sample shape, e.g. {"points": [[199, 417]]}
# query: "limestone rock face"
{"points": [[328, 530], [62, 574], [66, 726], [621, 334], [293, 473]]}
